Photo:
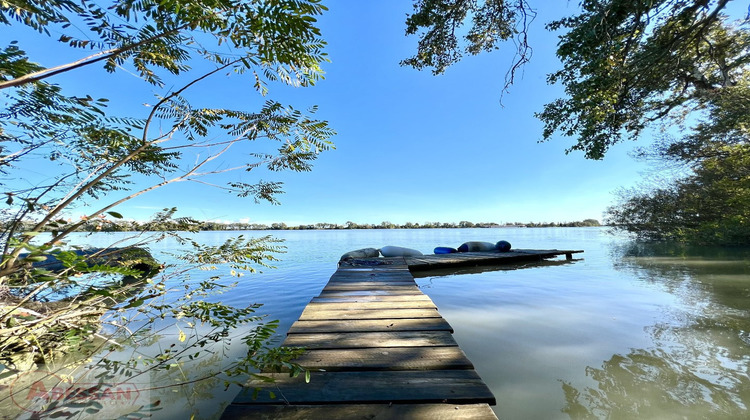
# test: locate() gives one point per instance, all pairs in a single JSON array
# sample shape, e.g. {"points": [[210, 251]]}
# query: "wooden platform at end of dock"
{"points": [[377, 348], [463, 259]]}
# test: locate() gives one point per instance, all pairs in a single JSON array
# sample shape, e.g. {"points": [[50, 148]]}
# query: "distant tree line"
{"points": [[188, 224]]}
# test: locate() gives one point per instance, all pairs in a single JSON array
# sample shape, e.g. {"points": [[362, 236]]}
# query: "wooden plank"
{"points": [[353, 304], [362, 293], [389, 290], [400, 277], [377, 273], [372, 273], [428, 386], [356, 266], [388, 358], [368, 281], [370, 339], [380, 264], [360, 411], [367, 285], [313, 314], [336, 297], [386, 281], [371, 325], [364, 288]]}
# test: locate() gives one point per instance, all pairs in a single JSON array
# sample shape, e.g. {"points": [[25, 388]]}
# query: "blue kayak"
{"points": [[445, 250]]}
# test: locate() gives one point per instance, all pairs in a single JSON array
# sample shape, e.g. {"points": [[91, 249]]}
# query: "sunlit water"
{"points": [[623, 332]]}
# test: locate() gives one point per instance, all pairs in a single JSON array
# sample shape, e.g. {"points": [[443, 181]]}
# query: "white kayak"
{"points": [[399, 251]]}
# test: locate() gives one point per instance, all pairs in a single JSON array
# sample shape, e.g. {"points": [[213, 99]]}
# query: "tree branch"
{"points": [[182, 177], [95, 58], [9, 266]]}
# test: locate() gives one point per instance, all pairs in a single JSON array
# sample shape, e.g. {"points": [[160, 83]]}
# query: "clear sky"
{"points": [[411, 146], [416, 147]]}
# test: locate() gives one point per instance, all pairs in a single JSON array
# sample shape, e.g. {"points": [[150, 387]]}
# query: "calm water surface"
{"points": [[625, 332]]}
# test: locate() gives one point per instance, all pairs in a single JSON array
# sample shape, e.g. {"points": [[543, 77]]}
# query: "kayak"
{"points": [[503, 246], [399, 251], [445, 250], [476, 246], [361, 253]]}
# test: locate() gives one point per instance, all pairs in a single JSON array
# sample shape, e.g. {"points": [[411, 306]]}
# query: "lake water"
{"points": [[626, 331]]}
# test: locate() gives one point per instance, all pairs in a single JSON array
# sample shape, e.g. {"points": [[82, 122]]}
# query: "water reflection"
{"points": [[699, 363]]}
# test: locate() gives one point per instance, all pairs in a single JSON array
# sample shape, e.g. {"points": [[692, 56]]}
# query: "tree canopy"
{"points": [[492, 22], [625, 64], [65, 153], [628, 64], [681, 66]]}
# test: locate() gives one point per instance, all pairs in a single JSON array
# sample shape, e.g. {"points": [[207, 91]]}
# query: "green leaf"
{"points": [[134, 303], [115, 214]]}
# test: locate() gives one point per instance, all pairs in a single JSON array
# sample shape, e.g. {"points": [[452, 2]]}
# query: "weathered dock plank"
{"points": [[385, 281], [371, 285], [352, 304], [316, 313], [372, 292], [361, 411], [369, 297], [399, 276], [412, 386], [371, 325], [366, 285], [381, 358], [370, 339]]}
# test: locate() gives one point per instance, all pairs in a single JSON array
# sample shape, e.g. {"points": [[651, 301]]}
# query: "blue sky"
{"points": [[416, 147], [410, 146]]}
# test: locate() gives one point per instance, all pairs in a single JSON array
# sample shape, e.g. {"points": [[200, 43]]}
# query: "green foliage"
{"points": [[710, 206], [95, 159], [99, 153], [628, 64], [438, 21], [237, 253]]}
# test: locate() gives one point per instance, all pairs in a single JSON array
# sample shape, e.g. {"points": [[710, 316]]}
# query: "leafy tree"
{"points": [[492, 22], [99, 159], [692, 63], [627, 66], [711, 205]]}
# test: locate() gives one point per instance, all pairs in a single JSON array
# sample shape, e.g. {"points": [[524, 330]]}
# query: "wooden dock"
{"points": [[472, 259], [378, 349]]}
